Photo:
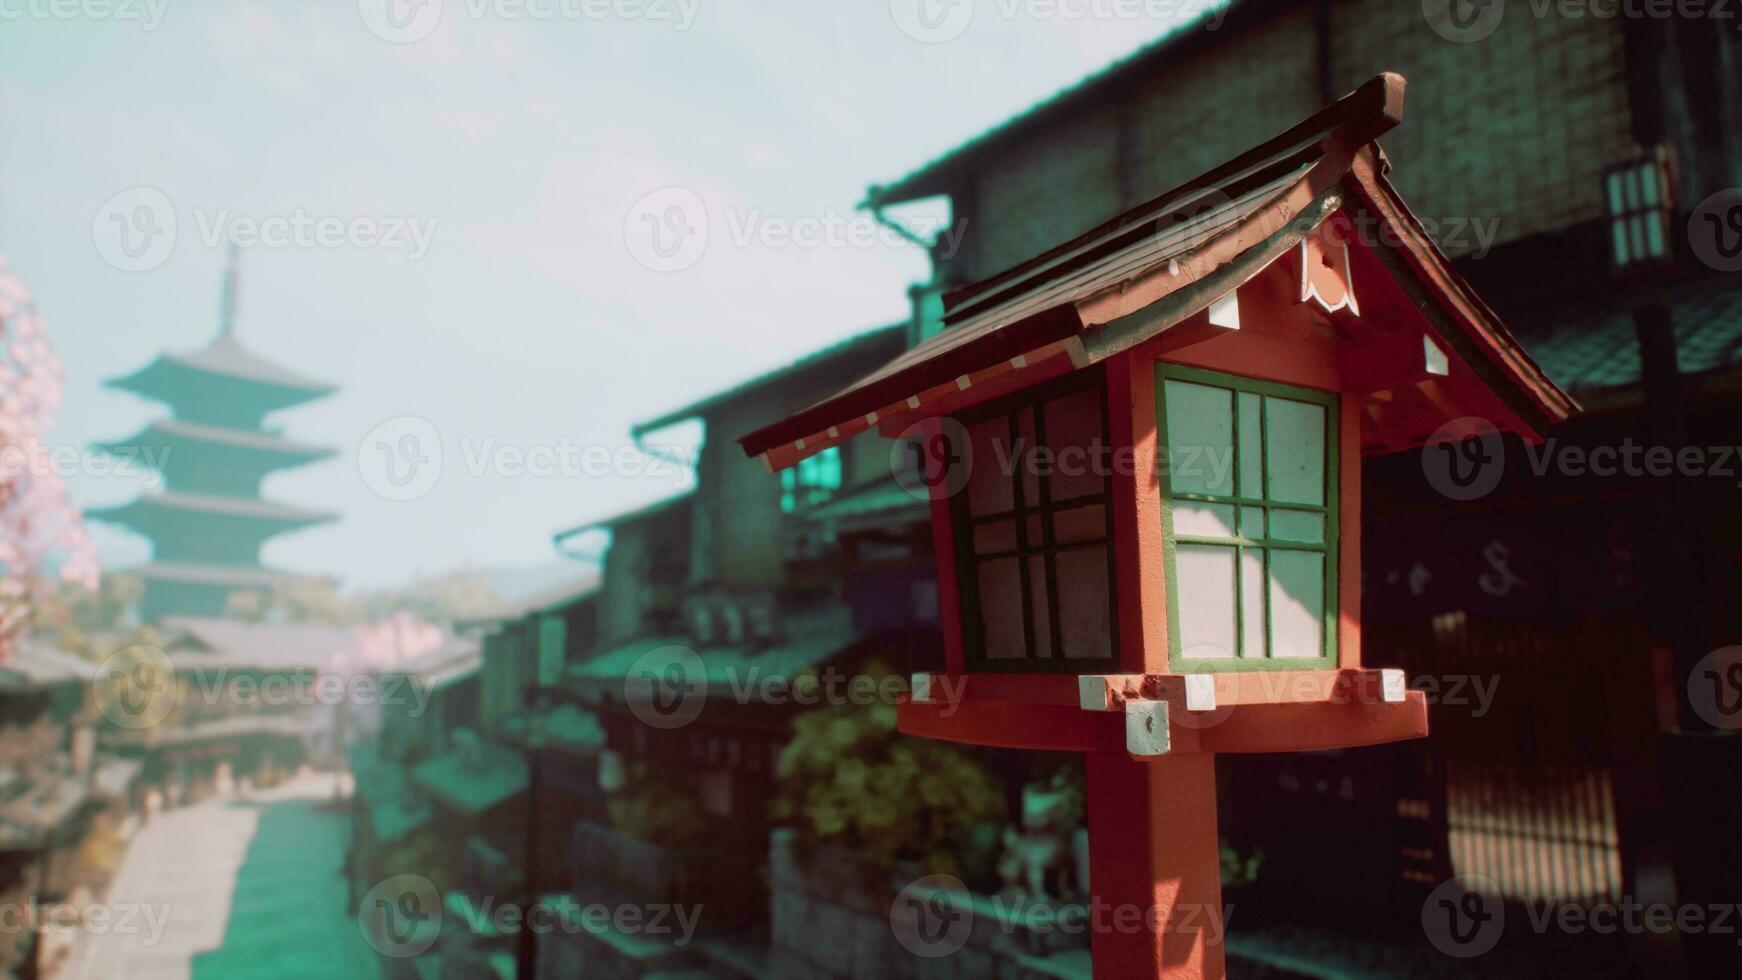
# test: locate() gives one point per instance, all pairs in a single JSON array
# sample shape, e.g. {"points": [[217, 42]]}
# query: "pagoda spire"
{"points": [[227, 316]]}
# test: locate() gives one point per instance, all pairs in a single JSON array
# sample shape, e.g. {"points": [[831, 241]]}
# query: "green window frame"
{"points": [[1242, 508], [812, 481]]}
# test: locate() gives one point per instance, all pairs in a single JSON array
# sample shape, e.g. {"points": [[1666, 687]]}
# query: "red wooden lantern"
{"points": [[1145, 452]]}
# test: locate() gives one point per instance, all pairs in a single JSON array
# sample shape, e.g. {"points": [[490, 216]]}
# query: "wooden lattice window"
{"points": [[1033, 528], [1250, 511]]}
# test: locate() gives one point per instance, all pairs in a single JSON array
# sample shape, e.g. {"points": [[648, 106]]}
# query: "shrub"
{"points": [[849, 778]]}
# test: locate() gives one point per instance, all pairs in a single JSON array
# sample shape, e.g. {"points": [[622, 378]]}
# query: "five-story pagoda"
{"points": [[208, 523]]}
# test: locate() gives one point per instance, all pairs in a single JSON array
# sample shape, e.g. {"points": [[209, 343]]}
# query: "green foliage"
{"points": [[849, 778], [653, 806], [1239, 870]]}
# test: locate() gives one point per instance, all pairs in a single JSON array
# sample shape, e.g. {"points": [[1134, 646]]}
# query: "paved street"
{"points": [[251, 890]]}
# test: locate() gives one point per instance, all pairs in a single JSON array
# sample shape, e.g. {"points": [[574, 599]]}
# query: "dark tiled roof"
{"points": [[885, 503], [1593, 350]]}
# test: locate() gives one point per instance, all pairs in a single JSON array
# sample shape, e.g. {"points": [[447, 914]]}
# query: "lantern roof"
{"points": [[1154, 267]]}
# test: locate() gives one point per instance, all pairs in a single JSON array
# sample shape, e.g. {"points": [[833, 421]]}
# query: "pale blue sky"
{"points": [[527, 143]]}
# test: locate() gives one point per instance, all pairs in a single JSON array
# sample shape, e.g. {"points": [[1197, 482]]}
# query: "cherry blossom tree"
{"points": [[42, 536], [376, 647]]}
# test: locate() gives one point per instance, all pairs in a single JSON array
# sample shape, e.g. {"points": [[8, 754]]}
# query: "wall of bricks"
{"points": [[1517, 127]]}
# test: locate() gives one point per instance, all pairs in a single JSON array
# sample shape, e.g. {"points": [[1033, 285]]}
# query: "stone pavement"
{"points": [[251, 889]]}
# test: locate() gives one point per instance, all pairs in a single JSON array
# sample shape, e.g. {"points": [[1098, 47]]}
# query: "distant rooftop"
{"points": [[223, 435], [226, 357], [267, 646]]}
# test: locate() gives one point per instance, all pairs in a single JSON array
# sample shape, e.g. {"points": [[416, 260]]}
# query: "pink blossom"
{"points": [[39, 526]]}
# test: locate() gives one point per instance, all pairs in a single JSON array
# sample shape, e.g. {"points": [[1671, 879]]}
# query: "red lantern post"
{"points": [[1144, 452]]}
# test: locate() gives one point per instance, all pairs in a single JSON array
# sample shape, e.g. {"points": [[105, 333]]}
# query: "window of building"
{"points": [[1033, 531], [1250, 514], [811, 482], [553, 637]]}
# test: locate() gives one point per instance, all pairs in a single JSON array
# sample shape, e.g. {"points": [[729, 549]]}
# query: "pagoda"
{"points": [[207, 524]]}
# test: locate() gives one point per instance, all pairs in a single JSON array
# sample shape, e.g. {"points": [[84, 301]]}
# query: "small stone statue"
{"points": [[1038, 862]]}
